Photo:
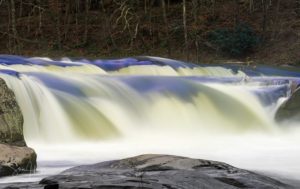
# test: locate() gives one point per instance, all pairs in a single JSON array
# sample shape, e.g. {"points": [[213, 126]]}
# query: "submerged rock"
{"points": [[15, 157], [159, 172], [290, 110]]}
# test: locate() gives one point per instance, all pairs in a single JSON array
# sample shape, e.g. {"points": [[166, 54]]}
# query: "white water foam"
{"points": [[84, 114]]}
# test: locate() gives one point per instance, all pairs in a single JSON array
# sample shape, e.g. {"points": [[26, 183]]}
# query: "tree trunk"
{"points": [[150, 23], [107, 21], [185, 29], [76, 20], [195, 9], [276, 26], [197, 48], [145, 6], [21, 8], [265, 14], [251, 6], [85, 36], [237, 13], [297, 9], [213, 7], [67, 19], [13, 25], [163, 3], [9, 45], [40, 17], [58, 23]]}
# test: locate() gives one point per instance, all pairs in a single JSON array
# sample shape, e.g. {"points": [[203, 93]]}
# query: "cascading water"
{"points": [[86, 111]]}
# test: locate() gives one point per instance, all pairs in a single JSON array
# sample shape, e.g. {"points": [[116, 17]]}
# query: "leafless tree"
{"points": [[297, 8], [163, 3], [85, 35], [185, 28], [16, 41]]}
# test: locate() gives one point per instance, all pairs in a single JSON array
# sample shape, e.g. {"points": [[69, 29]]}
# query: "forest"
{"points": [[265, 31], [149, 94]]}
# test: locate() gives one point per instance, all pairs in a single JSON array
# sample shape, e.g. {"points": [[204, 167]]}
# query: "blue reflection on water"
{"points": [[183, 87], [116, 64]]}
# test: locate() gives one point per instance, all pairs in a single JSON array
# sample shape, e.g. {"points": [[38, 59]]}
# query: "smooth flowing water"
{"points": [[82, 111]]}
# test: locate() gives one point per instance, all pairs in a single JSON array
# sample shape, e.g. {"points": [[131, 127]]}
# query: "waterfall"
{"points": [[142, 99], [85, 102]]}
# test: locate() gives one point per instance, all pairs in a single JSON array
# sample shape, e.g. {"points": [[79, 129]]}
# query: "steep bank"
{"points": [[15, 157]]}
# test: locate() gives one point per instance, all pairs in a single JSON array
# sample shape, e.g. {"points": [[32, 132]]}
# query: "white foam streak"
{"points": [[85, 114]]}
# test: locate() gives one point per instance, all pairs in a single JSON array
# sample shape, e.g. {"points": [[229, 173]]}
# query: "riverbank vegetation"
{"points": [[265, 31]]}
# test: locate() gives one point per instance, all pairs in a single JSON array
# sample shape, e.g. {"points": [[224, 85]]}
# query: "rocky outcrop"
{"points": [[15, 157], [290, 110], [11, 119], [15, 160], [159, 172]]}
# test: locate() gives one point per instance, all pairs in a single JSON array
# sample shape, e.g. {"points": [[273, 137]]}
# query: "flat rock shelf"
{"points": [[153, 171]]}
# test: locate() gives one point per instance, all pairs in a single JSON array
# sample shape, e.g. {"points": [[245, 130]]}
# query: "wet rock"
{"points": [[15, 157], [11, 119], [160, 172], [15, 160], [290, 110]]}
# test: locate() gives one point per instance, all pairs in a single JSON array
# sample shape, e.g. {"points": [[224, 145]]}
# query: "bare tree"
{"points": [[213, 2], [163, 3], [251, 6], [58, 30], [185, 28], [237, 12], [67, 18], [85, 36], [276, 21], [55, 7], [21, 8], [9, 45], [195, 8], [265, 14], [107, 21], [13, 25], [297, 9]]}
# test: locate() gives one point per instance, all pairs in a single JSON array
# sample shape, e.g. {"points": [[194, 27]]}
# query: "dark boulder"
{"points": [[290, 110], [160, 172]]}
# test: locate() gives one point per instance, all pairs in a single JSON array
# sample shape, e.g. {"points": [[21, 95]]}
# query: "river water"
{"points": [[86, 111]]}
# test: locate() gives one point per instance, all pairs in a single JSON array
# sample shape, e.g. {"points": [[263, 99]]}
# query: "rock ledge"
{"points": [[15, 157], [159, 172]]}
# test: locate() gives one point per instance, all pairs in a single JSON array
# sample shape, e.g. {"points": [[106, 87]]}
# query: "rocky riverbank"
{"points": [[15, 156]]}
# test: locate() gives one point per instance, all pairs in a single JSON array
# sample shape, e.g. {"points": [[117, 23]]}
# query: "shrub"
{"points": [[238, 41]]}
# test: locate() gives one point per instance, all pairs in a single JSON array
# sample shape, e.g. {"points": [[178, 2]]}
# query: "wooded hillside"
{"points": [[197, 30]]}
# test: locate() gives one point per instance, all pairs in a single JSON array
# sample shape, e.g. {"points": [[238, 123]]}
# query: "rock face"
{"points": [[15, 160], [11, 119], [15, 157], [290, 110], [159, 172]]}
